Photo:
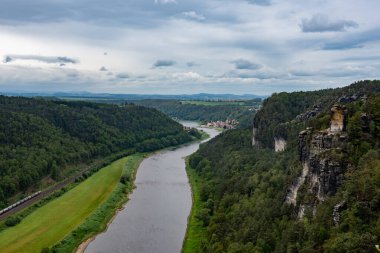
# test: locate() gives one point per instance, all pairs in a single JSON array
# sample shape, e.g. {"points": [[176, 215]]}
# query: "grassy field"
{"points": [[195, 231], [98, 220], [54, 221]]}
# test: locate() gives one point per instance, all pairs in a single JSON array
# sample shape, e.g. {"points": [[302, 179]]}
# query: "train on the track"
{"points": [[20, 202]]}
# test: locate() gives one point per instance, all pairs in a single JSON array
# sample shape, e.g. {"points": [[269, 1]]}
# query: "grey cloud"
{"points": [[73, 75], [122, 76], [321, 23], [342, 45], [302, 73], [163, 63], [103, 69], [333, 72], [361, 58], [262, 75], [357, 40], [192, 64], [245, 64], [260, 2], [62, 60], [7, 59]]}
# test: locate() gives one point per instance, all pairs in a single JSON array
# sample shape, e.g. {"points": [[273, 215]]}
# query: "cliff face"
{"points": [[322, 155], [323, 152]]}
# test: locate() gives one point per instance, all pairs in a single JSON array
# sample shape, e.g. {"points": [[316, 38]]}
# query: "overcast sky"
{"points": [[187, 46]]}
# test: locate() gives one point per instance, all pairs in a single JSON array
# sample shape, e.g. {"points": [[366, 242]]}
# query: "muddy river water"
{"points": [[154, 220]]}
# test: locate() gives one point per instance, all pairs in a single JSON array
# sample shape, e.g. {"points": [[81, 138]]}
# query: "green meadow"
{"points": [[54, 221]]}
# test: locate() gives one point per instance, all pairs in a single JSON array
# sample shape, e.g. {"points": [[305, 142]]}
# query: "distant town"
{"points": [[228, 124]]}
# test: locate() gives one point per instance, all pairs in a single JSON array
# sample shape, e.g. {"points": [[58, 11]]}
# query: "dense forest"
{"points": [[243, 188], [39, 138], [242, 112], [281, 109]]}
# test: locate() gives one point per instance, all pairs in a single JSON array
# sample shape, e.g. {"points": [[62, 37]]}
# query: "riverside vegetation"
{"points": [[240, 191]]}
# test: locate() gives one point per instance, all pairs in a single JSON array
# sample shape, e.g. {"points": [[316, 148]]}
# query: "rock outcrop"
{"points": [[311, 113], [336, 213], [291, 197], [338, 118], [353, 98], [322, 154], [254, 142], [279, 144]]}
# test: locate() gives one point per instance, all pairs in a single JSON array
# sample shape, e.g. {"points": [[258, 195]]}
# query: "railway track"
{"points": [[36, 198]]}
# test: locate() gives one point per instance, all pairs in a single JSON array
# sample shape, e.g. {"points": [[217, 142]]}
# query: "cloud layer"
{"points": [[187, 46]]}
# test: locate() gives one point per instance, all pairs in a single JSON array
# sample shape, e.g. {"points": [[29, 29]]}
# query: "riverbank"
{"points": [[98, 221], [84, 242], [195, 232]]}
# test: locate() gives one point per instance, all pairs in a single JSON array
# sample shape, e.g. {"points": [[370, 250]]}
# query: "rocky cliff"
{"points": [[322, 154]]}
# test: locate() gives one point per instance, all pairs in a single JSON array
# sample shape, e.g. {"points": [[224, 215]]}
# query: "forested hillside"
{"points": [[244, 190], [280, 109], [243, 111], [39, 138]]}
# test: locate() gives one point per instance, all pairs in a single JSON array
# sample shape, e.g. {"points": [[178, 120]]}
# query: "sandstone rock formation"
{"points": [[338, 118], [279, 144], [322, 154]]}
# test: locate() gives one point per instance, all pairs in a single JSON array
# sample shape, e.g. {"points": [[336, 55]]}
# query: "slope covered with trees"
{"points": [[281, 109], [243, 188], [39, 138]]}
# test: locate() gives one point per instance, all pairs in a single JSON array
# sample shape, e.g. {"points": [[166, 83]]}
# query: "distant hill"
{"points": [[131, 97]]}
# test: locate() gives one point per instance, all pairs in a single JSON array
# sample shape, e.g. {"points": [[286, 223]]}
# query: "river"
{"points": [[154, 220]]}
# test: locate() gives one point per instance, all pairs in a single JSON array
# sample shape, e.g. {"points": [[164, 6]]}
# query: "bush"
{"points": [[13, 221]]}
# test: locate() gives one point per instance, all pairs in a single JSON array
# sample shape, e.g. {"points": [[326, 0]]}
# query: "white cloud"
{"points": [[187, 76], [193, 15]]}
